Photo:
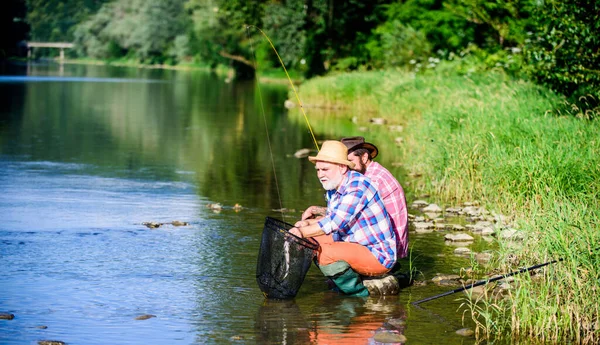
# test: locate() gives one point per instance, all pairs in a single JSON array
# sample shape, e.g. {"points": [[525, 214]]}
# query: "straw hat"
{"points": [[355, 143], [333, 152]]}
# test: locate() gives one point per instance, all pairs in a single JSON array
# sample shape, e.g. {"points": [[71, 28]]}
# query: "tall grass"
{"points": [[510, 145]]}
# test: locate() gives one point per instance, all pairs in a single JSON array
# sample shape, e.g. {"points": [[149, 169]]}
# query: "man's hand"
{"points": [[313, 211], [296, 232], [302, 223]]}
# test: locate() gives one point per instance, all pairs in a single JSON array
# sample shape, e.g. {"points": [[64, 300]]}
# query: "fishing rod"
{"points": [[486, 281]]}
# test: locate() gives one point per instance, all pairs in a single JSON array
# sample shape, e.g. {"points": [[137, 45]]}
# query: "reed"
{"points": [[516, 148]]}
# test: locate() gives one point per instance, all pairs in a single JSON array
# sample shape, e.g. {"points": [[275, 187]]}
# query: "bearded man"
{"points": [[362, 153], [355, 235]]}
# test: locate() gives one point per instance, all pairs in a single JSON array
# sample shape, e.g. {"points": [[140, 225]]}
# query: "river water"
{"points": [[90, 153]]}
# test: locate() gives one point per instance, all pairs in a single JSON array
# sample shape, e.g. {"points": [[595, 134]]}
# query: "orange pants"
{"points": [[356, 255]]}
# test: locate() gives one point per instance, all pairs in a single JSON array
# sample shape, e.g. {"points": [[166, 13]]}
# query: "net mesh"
{"points": [[283, 260]]}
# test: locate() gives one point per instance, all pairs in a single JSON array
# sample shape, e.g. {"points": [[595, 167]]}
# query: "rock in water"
{"points": [[178, 223], [465, 332], [302, 153], [145, 317], [382, 286], [389, 337], [6, 316]]}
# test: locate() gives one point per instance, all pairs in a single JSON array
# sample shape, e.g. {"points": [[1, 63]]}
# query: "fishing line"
{"points": [[263, 108], [265, 122], [290, 80]]}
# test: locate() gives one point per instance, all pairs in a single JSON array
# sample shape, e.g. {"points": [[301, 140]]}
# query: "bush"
{"points": [[563, 53], [395, 45]]}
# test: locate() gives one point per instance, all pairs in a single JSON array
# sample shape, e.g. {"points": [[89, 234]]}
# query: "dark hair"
{"points": [[361, 152]]}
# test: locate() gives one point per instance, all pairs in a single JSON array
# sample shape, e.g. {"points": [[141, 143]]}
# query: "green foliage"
{"points": [[395, 45], [315, 37], [563, 51], [117, 27], [284, 24], [504, 23], [445, 30], [55, 20]]}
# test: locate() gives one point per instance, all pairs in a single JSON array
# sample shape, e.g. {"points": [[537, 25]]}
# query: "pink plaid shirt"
{"points": [[392, 194]]}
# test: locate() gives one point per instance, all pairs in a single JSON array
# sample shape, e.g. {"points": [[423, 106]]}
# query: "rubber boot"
{"points": [[344, 277]]}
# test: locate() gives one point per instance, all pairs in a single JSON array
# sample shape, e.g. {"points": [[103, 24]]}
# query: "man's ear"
{"points": [[365, 157]]}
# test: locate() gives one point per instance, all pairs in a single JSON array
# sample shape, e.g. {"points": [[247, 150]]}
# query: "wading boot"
{"points": [[344, 277]]}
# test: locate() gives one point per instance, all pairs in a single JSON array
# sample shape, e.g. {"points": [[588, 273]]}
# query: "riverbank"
{"points": [[519, 150], [273, 77]]}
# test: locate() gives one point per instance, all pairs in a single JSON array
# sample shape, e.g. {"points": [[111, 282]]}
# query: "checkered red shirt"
{"points": [[392, 194], [356, 213]]}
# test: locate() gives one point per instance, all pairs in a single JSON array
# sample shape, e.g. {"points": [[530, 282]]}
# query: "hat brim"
{"points": [[328, 159], [373, 151]]}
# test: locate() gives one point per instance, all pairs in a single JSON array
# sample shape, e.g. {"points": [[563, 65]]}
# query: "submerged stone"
{"points": [[433, 208], [178, 223], [387, 337], [395, 323], [215, 206], [302, 153], [51, 342], [511, 234], [462, 251], [6, 316], [152, 225], [455, 210], [440, 277], [145, 317], [419, 203], [423, 225], [465, 332], [458, 237]]}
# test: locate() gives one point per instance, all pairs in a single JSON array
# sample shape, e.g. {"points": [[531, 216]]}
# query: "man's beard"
{"points": [[360, 167], [332, 184]]}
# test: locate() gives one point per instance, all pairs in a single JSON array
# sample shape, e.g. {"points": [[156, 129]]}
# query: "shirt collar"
{"points": [[342, 189]]}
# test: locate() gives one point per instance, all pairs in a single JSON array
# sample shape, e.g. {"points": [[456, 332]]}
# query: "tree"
{"points": [[55, 20], [146, 29], [564, 53]]}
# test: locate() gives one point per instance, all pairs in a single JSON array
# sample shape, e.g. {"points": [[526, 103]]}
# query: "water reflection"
{"points": [[338, 321], [282, 322]]}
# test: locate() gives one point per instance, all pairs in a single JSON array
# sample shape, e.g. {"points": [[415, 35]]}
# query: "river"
{"points": [[90, 153]]}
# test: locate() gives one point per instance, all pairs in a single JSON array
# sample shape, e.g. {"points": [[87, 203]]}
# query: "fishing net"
{"points": [[283, 260]]}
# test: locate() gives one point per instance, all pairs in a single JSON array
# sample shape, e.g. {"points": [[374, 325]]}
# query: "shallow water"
{"points": [[85, 160]]}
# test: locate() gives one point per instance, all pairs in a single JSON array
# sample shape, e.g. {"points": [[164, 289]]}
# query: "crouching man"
{"points": [[355, 236]]}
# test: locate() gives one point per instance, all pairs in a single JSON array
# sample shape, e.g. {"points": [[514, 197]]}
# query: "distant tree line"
{"points": [[556, 42]]}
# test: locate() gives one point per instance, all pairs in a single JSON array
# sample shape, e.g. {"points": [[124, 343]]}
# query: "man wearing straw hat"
{"points": [[355, 235], [362, 153]]}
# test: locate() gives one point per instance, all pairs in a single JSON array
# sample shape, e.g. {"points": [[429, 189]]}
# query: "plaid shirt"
{"points": [[392, 194], [356, 214]]}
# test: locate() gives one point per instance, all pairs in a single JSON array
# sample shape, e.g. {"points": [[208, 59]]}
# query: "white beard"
{"points": [[332, 184]]}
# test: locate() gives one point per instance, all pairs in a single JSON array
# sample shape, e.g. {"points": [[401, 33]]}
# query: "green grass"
{"points": [[511, 145]]}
